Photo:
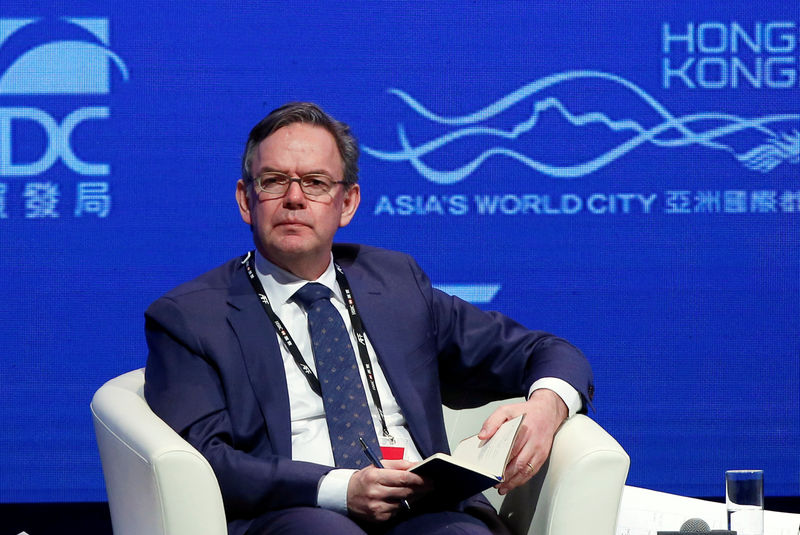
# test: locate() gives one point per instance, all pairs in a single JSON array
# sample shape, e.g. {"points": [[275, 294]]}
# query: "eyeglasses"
{"points": [[275, 184]]}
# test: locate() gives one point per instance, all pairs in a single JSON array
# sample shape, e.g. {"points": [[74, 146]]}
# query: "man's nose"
{"points": [[294, 195]]}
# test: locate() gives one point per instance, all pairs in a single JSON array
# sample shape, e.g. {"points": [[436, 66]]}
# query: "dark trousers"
{"points": [[305, 520]]}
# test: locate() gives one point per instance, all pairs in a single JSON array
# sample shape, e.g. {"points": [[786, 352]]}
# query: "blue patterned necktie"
{"points": [[346, 409]]}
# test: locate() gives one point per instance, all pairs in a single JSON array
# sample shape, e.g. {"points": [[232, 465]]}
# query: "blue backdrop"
{"points": [[623, 174]]}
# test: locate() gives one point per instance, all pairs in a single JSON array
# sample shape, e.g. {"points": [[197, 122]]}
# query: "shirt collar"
{"points": [[280, 285]]}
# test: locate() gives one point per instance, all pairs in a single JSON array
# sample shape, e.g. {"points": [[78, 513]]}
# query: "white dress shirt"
{"points": [[310, 439]]}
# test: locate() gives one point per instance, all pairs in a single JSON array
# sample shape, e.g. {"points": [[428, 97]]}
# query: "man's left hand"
{"points": [[544, 411]]}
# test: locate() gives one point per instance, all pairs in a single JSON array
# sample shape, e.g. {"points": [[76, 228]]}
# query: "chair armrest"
{"points": [[579, 488], [157, 483]]}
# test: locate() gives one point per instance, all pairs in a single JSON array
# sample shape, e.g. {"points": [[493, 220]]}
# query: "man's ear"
{"points": [[352, 198], [243, 200]]}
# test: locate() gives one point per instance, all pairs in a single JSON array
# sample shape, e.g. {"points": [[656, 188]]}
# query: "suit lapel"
{"points": [[262, 357], [378, 323]]}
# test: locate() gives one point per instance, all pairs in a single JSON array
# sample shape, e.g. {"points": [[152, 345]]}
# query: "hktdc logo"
{"points": [[40, 66]]}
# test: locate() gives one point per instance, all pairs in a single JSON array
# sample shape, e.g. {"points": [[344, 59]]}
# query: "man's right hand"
{"points": [[376, 494]]}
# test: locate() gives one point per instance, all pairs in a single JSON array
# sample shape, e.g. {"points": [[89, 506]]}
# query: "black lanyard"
{"points": [[358, 328]]}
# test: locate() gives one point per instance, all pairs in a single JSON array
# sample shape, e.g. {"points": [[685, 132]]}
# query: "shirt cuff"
{"points": [[332, 492], [563, 389]]}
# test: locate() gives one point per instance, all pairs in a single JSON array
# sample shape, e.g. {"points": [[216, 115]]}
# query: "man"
{"points": [[232, 369]]}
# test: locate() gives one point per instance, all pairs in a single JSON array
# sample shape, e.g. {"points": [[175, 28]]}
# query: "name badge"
{"points": [[392, 453], [393, 449]]}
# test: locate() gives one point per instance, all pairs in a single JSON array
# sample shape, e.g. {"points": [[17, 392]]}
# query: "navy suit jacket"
{"points": [[215, 372]]}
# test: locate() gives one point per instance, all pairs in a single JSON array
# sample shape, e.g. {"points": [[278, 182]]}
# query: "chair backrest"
{"points": [[157, 483]]}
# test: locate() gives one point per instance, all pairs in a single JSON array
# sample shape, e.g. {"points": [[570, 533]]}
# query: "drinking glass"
{"points": [[744, 497]]}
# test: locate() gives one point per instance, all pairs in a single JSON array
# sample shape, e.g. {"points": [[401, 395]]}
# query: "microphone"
{"points": [[697, 526]]}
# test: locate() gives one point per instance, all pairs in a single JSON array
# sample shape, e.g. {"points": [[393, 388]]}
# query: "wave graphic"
{"points": [[72, 67], [78, 64], [778, 147]]}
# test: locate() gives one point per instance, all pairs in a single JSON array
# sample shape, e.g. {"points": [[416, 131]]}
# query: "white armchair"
{"points": [[158, 484]]}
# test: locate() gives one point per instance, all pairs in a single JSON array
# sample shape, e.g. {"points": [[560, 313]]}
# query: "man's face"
{"points": [[292, 231]]}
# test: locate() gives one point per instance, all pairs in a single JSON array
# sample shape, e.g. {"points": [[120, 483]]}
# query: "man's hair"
{"points": [[306, 113]]}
